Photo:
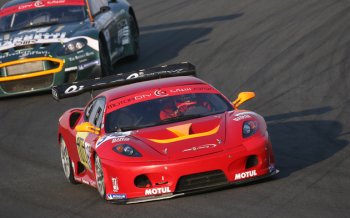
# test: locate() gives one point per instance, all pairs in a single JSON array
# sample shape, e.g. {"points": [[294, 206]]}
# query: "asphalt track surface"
{"points": [[295, 54]]}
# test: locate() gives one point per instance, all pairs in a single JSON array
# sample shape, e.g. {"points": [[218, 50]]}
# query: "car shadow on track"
{"points": [[191, 22], [299, 144], [163, 42]]}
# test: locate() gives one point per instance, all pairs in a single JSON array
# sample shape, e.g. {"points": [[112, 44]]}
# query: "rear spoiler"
{"points": [[77, 88]]}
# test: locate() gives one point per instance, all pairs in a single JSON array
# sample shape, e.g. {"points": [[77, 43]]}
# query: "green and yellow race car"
{"points": [[51, 42]]}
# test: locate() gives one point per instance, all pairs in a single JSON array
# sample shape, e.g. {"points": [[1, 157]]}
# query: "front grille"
{"points": [[41, 65], [201, 181], [29, 67], [29, 84]]}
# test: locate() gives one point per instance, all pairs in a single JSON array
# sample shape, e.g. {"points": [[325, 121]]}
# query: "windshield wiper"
{"points": [[182, 118], [45, 23], [169, 120], [129, 128]]}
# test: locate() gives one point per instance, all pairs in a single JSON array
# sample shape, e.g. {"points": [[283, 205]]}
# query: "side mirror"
{"points": [[87, 127], [243, 97]]}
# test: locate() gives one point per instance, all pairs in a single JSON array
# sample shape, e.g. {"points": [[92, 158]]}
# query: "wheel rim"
{"points": [[99, 177], [65, 159]]}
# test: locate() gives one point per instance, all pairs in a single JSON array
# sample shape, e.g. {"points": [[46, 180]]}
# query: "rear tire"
{"points": [[135, 38], [105, 61], [67, 163], [101, 188]]}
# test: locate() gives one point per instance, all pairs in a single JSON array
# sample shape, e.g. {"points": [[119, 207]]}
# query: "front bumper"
{"points": [[176, 178], [54, 71], [174, 195]]}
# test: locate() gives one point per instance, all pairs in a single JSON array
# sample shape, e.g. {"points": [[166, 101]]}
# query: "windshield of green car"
{"points": [[165, 110], [37, 17]]}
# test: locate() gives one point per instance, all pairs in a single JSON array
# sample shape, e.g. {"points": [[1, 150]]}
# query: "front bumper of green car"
{"points": [[37, 74]]}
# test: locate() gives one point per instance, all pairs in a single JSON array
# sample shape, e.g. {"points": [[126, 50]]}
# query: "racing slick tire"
{"points": [[135, 40], [105, 61], [67, 163], [100, 181]]}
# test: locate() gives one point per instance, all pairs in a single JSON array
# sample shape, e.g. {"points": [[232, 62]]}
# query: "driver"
{"points": [[177, 105], [185, 102], [168, 110]]}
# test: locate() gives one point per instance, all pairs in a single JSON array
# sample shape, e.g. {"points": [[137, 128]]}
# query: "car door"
{"points": [[86, 140]]}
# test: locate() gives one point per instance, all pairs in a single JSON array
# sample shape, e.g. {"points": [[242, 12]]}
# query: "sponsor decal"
{"points": [[24, 53], [73, 88], [39, 4], [29, 39], [35, 30], [160, 93], [115, 184], [135, 75], [116, 196], [120, 139], [124, 34], [81, 56], [54, 93], [89, 64], [84, 149], [157, 191], [43, 38], [242, 117], [200, 147], [245, 175], [140, 74], [70, 69], [154, 94], [116, 137]]}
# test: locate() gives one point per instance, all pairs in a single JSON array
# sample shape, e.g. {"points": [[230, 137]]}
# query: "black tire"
{"points": [[135, 39], [100, 182], [105, 60], [66, 163]]}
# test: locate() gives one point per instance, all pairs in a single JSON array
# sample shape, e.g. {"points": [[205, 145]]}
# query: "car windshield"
{"points": [[165, 110], [41, 17]]}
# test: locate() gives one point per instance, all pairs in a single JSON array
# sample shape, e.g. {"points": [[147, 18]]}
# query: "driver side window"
{"points": [[94, 112], [96, 5]]}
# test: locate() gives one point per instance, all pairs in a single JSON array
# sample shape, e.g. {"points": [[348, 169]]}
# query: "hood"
{"points": [[186, 139], [38, 41]]}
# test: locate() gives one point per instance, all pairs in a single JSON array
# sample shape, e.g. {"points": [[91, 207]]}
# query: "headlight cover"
{"points": [[74, 45], [249, 128], [126, 150]]}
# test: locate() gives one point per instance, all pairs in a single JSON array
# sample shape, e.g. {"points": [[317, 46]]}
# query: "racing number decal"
{"points": [[84, 149]]}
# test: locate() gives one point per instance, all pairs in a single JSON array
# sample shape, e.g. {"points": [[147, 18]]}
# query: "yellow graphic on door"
{"points": [[84, 149]]}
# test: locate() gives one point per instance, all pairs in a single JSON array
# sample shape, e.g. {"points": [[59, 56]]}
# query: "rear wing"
{"points": [[77, 88]]}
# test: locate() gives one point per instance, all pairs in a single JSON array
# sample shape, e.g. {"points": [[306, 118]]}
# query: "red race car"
{"points": [[156, 139]]}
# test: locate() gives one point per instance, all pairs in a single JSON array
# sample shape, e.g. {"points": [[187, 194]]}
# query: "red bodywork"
{"points": [[213, 153], [39, 4]]}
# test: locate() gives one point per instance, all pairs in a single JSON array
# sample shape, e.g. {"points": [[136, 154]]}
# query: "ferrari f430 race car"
{"points": [[45, 43], [156, 139]]}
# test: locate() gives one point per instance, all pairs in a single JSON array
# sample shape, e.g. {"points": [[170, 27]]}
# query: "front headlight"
{"points": [[74, 45], [126, 150], [249, 128]]}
